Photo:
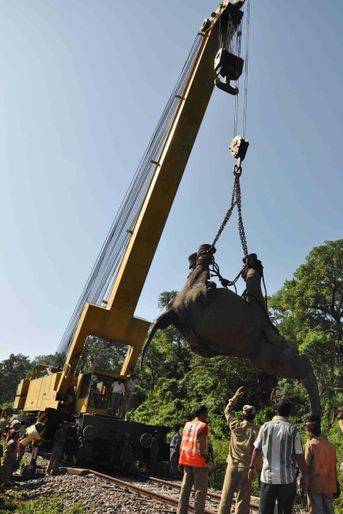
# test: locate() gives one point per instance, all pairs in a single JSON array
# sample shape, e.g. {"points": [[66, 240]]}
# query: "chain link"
{"points": [[236, 199], [241, 230]]}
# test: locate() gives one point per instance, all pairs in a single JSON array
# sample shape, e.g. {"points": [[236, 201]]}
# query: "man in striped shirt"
{"points": [[279, 442]]}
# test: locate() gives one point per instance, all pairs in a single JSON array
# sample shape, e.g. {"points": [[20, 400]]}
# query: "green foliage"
{"points": [[101, 354], [309, 310], [48, 360], [12, 370]]}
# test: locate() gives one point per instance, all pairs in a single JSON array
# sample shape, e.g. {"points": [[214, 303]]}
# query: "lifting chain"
{"points": [[236, 200]]}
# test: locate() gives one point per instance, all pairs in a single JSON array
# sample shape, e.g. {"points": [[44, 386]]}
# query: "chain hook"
{"points": [[237, 169]]}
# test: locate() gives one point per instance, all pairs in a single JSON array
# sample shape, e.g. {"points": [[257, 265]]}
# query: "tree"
{"points": [[309, 309], [102, 354], [49, 359], [12, 370]]}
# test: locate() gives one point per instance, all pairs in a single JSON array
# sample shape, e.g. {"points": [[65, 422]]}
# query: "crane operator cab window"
{"points": [[99, 391]]}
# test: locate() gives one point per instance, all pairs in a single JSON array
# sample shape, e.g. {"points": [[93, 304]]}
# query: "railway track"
{"points": [[162, 491]]}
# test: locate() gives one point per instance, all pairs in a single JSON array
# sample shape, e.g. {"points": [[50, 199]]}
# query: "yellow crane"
{"points": [[64, 390]]}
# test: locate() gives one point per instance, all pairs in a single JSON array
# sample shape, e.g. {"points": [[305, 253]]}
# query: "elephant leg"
{"points": [[268, 384]]}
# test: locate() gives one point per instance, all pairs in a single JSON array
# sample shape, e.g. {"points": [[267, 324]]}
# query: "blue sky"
{"points": [[83, 83]]}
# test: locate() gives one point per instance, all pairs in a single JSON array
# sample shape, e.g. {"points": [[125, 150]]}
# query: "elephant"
{"points": [[216, 321]]}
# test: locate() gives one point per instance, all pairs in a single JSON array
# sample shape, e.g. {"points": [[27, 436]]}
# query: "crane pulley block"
{"points": [[226, 64], [230, 67], [238, 147]]}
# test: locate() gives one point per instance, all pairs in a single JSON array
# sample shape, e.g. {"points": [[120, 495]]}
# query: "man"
{"points": [[3, 423], [320, 457], [9, 463], [243, 435], [129, 388], [58, 444], [33, 434], [14, 430], [339, 416], [14, 433], [279, 443], [174, 454], [193, 460], [118, 392]]}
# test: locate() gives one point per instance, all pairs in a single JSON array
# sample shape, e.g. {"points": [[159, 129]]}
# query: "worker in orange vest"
{"points": [[194, 461]]}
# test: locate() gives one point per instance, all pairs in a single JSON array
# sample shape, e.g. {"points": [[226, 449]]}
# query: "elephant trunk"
{"points": [[162, 321], [310, 383]]}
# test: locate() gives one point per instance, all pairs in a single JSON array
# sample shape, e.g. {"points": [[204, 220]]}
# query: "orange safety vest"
{"points": [[189, 450]]}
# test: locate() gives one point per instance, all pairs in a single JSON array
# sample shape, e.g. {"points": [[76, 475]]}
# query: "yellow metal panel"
{"points": [[41, 394], [81, 405], [21, 393]]}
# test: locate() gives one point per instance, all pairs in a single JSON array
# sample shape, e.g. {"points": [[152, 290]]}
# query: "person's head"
{"points": [[16, 424], [177, 427], [202, 413], [283, 408], [40, 426], [249, 412], [313, 426]]}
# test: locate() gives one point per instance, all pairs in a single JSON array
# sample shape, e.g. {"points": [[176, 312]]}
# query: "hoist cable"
{"points": [[237, 51], [246, 69]]}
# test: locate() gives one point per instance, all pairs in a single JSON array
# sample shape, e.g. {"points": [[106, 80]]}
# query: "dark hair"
{"points": [[201, 410], [313, 425], [283, 408]]}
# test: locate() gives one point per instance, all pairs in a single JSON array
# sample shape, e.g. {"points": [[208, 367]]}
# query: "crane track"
{"points": [[213, 496], [146, 486]]}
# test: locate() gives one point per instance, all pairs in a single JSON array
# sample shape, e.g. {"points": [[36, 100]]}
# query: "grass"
{"points": [[18, 504], [52, 505]]}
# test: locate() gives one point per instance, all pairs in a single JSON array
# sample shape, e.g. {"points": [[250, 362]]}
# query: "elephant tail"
{"points": [[162, 322]]}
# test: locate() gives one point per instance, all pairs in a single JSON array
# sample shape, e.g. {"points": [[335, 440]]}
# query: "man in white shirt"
{"points": [[279, 442], [118, 392]]}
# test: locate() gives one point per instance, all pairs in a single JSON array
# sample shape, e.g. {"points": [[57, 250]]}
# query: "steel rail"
{"points": [[177, 485], [144, 492], [139, 476], [211, 496]]}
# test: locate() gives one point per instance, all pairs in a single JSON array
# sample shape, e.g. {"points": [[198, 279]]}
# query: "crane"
{"points": [[62, 390]]}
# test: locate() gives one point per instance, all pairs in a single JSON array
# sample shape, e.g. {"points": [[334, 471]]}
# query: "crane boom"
{"points": [[116, 321]]}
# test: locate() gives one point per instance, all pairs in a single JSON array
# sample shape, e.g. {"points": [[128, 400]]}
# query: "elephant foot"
{"points": [[251, 261]]}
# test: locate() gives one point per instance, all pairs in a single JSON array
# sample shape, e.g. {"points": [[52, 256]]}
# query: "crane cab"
{"points": [[101, 393]]}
